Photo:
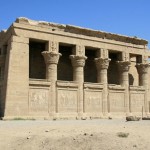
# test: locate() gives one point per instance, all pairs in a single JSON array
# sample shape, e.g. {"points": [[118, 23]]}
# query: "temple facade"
{"points": [[52, 71]]}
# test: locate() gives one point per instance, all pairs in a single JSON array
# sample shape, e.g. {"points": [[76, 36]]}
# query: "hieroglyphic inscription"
{"points": [[53, 46], [104, 53], [116, 102], [38, 100], [137, 102], [80, 50], [93, 101], [67, 100], [125, 56]]}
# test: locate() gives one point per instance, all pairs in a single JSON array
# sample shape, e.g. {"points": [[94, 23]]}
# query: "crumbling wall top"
{"points": [[83, 31]]}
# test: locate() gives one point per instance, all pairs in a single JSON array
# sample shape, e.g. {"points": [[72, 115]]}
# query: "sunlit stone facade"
{"points": [[50, 70]]}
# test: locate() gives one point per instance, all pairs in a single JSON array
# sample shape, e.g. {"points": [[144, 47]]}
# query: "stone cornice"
{"points": [[82, 31]]}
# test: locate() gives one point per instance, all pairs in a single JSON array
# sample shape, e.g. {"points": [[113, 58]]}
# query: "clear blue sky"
{"points": [[127, 17]]}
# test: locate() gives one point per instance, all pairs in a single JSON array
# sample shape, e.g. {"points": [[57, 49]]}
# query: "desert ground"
{"points": [[102, 134]]}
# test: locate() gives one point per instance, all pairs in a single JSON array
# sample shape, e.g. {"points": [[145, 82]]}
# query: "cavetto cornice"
{"points": [[82, 31]]}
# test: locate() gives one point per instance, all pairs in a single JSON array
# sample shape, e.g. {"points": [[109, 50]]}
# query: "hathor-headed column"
{"points": [[102, 67], [124, 67], [78, 63], [142, 69], [51, 60]]}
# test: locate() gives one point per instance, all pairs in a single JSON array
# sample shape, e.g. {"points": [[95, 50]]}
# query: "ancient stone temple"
{"points": [[50, 70]]}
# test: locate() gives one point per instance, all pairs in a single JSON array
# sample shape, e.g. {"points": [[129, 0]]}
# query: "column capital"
{"points": [[78, 61], [142, 68], [124, 66], [51, 57], [102, 63]]}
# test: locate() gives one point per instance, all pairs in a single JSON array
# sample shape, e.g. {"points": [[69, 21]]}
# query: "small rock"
{"points": [[132, 118], [134, 145], [46, 130], [85, 134], [91, 135], [109, 118], [29, 137]]}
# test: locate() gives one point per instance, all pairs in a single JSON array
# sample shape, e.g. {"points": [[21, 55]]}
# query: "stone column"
{"points": [[51, 60], [78, 63], [102, 67], [142, 69], [124, 67]]}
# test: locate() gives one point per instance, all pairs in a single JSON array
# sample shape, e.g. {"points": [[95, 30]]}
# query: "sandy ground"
{"points": [[75, 135]]}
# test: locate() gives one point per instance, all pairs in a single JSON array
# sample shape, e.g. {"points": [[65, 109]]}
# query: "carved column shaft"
{"points": [[143, 80], [78, 63], [124, 67], [143, 73], [51, 60], [102, 67]]}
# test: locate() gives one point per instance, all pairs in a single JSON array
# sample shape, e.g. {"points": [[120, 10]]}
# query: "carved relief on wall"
{"points": [[67, 100], [80, 50], [116, 102], [137, 102], [53, 46], [38, 100], [103, 53], [125, 56], [93, 101]]}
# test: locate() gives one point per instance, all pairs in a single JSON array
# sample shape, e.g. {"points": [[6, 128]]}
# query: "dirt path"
{"points": [[75, 135]]}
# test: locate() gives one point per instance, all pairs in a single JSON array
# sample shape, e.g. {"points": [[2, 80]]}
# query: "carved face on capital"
{"points": [[78, 61], [50, 57], [142, 68], [102, 63]]}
